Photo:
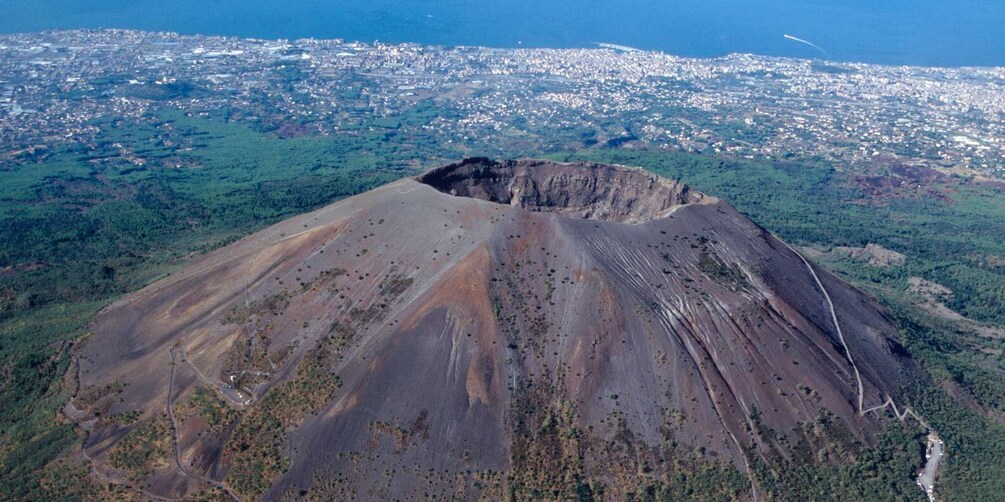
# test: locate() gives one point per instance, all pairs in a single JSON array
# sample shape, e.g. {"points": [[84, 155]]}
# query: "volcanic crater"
{"points": [[604, 192], [488, 329]]}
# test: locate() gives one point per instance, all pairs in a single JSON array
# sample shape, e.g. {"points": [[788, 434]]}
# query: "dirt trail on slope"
{"points": [[926, 479], [174, 435]]}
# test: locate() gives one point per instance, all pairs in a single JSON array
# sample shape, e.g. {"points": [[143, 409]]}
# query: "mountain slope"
{"points": [[524, 327]]}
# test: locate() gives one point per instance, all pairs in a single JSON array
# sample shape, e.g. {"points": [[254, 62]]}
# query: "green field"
{"points": [[86, 224]]}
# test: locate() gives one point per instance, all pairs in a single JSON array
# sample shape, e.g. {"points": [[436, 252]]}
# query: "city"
{"points": [[857, 116]]}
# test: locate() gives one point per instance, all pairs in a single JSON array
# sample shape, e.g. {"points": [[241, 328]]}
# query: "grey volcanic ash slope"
{"points": [[523, 327]]}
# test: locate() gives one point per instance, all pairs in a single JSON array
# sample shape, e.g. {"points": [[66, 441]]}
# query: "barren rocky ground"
{"points": [[522, 327]]}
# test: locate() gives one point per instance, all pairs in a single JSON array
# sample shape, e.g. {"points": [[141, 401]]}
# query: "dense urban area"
{"points": [[55, 84]]}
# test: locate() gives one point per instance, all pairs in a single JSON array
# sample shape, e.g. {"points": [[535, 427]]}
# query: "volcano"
{"points": [[488, 329]]}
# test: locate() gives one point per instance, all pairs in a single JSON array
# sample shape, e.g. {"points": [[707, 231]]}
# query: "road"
{"points": [[936, 450], [233, 395], [174, 436]]}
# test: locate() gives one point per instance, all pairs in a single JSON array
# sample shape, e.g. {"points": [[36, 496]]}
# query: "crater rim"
{"points": [[576, 190]]}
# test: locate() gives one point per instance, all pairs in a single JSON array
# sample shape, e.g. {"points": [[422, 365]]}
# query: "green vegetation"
{"points": [[270, 305], [248, 361], [975, 439], [34, 357], [255, 450], [403, 438], [728, 275], [830, 464], [164, 92], [546, 452], [883, 472], [209, 406], [143, 450], [550, 455], [67, 479], [344, 328]]}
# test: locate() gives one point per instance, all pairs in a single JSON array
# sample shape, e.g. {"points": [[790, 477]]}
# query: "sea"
{"points": [[892, 32]]}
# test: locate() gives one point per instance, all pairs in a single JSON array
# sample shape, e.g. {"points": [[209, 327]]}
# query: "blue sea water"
{"points": [[915, 32]]}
